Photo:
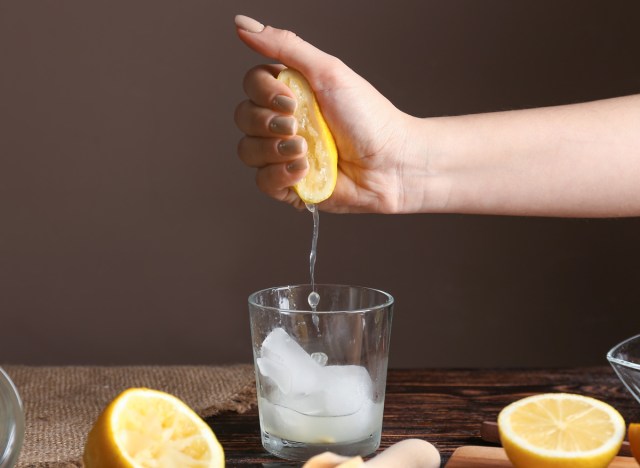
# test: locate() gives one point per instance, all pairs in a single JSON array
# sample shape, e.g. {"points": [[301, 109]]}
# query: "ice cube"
{"points": [[305, 384], [320, 358], [346, 389], [310, 404], [285, 362], [275, 371]]}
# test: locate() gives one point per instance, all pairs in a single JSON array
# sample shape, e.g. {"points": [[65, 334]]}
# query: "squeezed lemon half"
{"points": [[322, 153], [143, 428], [560, 430]]}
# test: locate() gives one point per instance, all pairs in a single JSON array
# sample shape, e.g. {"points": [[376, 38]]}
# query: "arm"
{"points": [[575, 160], [579, 160]]}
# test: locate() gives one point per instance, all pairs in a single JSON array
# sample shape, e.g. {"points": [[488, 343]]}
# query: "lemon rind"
{"points": [[612, 444], [217, 452]]}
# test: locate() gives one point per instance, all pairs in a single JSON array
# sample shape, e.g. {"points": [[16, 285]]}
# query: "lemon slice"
{"points": [[143, 428], [322, 153], [560, 430]]}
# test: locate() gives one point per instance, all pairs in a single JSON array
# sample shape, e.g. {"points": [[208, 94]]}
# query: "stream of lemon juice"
{"points": [[314, 297], [320, 426]]}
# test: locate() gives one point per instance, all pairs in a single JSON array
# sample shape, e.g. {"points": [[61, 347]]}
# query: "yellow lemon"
{"points": [[560, 430], [143, 428], [322, 153]]}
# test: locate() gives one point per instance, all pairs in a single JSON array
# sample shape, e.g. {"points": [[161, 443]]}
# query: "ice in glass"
{"points": [[320, 374]]}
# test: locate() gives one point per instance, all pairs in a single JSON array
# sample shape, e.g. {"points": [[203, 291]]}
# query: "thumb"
{"points": [[281, 45]]}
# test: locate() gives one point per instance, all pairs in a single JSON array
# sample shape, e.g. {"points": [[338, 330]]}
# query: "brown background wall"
{"points": [[130, 233]]}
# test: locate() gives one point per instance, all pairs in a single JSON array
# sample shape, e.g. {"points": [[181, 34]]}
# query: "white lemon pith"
{"points": [[145, 428], [322, 153], [561, 430]]}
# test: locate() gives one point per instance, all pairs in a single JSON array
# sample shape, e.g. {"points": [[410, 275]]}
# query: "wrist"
{"points": [[426, 187]]}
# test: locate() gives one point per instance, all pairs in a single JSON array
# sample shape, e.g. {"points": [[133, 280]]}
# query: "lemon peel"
{"points": [[144, 428], [560, 430]]}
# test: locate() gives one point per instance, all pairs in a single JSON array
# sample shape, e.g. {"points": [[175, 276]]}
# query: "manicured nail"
{"points": [[295, 145], [248, 24], [284, 104], [298, 165], [283, 125]]}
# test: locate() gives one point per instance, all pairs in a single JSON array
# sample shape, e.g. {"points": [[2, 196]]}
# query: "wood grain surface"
{"points": [[495, 457], [444, 407], [489, 433]]}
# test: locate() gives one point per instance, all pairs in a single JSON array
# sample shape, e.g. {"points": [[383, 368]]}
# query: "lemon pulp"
{"points": [[560, 430], [322, 153], [143, 428]]}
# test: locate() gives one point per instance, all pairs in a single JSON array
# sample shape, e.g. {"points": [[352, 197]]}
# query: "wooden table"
{"points": [[444, 407]]}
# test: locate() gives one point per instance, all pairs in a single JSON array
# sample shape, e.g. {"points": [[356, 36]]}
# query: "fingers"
{"points": [[259, 152], [269, 99], [263, 89], [270, 144], [248, 24], [281, 164], [276, 180], [284, 46], [259, 121]]}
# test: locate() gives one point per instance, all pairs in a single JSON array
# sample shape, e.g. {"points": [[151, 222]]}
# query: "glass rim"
{"points": [[613, 358], [11, 452], [387, 303]]}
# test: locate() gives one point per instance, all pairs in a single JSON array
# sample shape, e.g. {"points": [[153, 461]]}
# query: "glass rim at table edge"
{"points": [[14, 390], [389, 300], [612, 359], [17, 436]]}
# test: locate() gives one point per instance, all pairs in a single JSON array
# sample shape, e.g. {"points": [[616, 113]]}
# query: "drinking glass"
{"points": [[11, 422], [320, 374]]}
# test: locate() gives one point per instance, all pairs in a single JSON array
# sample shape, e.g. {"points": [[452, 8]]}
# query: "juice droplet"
{"points": [[320, 358], [313, 299]]}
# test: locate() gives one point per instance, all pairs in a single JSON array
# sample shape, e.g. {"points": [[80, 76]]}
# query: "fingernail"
{"points": [[298, 165], [284, 104], [283, 125], [248, 24], [292, 146]]}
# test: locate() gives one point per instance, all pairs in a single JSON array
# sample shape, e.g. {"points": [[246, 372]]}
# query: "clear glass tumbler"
{"points": [[11, 422], [320, 374]]}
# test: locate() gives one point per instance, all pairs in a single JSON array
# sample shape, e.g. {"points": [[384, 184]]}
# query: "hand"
{"points": [[370, 133], [575, 160]]}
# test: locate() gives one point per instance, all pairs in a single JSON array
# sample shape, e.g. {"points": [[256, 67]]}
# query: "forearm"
{"points": [[578, 160]]}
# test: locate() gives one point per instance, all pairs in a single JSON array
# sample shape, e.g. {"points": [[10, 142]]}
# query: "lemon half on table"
{"points": [[143, 428], [558, 430], [322, 153]]}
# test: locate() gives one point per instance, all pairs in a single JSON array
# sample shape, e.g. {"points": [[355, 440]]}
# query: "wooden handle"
{"points": [[495, 457], [489, 433]]}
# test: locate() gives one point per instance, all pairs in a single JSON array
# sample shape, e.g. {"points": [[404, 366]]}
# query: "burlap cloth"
{"points": [[62, 403]]}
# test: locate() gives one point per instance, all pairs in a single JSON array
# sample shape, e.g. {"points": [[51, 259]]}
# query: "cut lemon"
{"points": [[143, 428], [634, 440], [322, 153], [560, 430]]}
